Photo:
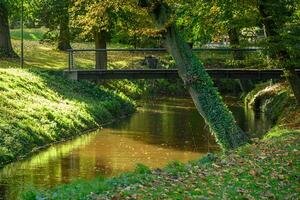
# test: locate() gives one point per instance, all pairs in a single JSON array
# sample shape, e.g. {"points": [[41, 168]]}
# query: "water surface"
{"points": [[160, 132]]}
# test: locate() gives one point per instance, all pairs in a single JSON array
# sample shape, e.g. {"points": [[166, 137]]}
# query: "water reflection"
{"points": [[160, 132]]}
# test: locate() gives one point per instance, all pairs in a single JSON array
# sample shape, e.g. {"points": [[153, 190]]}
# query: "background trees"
{"points": [[6, 9], [54, 14], [97, 18], [282, 25]]}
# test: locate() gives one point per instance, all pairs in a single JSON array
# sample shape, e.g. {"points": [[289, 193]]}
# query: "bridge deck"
{"points": [[172, 73]]}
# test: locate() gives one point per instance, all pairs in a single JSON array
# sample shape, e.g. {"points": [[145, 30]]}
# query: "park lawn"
{"points": [[44, 55], [39, 107]]}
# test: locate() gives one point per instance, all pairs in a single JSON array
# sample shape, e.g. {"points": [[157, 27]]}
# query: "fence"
{"points": [[159, 58]]}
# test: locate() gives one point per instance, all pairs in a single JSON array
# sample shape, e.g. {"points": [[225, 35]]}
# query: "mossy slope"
{"points": [[38, 108]]}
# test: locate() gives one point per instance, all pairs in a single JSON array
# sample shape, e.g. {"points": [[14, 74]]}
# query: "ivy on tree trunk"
{"points": [[197, 81]]}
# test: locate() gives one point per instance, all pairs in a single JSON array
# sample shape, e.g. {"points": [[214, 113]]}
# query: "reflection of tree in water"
{"points": [[178, 125], [170, 125]]}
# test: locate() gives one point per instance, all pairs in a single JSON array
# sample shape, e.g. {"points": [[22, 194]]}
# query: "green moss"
{"points": [[38, 108], [271, 99]]}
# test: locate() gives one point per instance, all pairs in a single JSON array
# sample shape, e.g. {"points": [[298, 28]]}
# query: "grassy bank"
{"points": [[38, 108], [268, 168]]}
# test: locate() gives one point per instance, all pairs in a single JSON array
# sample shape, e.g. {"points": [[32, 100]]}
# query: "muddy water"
{"points": [[160, 132]]}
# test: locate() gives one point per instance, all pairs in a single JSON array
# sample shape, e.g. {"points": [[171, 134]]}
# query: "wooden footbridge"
{"points": [[101, 74], [172, 73]]}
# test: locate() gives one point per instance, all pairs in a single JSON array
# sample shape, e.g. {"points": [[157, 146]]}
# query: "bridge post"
{"points": [[70, 59], [73, 75]]}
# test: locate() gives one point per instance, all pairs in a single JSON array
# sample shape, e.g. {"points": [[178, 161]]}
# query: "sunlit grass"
{"points": [[33, 34], [37, 108]]}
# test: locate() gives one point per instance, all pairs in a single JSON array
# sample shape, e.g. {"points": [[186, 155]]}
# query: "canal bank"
{"points": [[247, 172], [39, 108], [162, 131]]}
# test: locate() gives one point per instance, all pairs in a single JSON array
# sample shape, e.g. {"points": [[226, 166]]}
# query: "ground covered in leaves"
{"points": [[265, 169]]}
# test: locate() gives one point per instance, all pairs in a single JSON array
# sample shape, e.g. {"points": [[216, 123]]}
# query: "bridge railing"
{"points": [[142, 58]]}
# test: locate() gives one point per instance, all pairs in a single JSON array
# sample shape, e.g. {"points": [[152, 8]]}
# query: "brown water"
{"points": [[160, 132]]}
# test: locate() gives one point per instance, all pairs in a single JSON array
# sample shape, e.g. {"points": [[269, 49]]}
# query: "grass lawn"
{"points": [[45, 55]]}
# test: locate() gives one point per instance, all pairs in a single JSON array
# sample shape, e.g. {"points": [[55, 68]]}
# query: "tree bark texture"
{"points": [[101, 43], [233, 34], [64, 35], [6, 49]]}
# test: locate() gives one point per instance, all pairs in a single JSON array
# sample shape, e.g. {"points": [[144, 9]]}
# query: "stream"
{"points": [[161, 131]]}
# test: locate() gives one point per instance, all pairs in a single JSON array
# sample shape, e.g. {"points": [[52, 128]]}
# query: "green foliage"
{"points": [[38, 108], [281, 19], [142, 169], [212, 20]]}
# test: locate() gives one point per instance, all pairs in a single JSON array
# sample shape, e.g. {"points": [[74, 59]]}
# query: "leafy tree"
{"points": [[210, 19], [55, 15], [6, 9], [282, 24], [100, 18], [197, 81], [97, 18]]}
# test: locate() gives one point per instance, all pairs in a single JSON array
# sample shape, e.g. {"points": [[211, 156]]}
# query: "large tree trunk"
{"points": [[100, 43], [6, 49], [64, 35], [199, 84]]}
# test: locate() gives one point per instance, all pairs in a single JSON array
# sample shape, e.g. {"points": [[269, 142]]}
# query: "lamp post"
{"points": [[22, 35]]}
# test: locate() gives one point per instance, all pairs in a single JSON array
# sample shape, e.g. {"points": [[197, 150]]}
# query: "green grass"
{"points": [[266, 169], [39, 107], [33, 34]]}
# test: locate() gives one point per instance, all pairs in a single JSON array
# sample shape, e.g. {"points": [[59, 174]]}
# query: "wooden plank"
{"points": [[172, 73]]}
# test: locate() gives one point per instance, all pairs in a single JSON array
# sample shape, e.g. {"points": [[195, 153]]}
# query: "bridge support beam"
{"points": [[73, 75], [242, 74]]}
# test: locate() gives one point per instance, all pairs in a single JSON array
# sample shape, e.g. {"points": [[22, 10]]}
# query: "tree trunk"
{"points": [[233, 34], [64, 35], [6, 49], [199, 84], [100, 43], [269, 24]]}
